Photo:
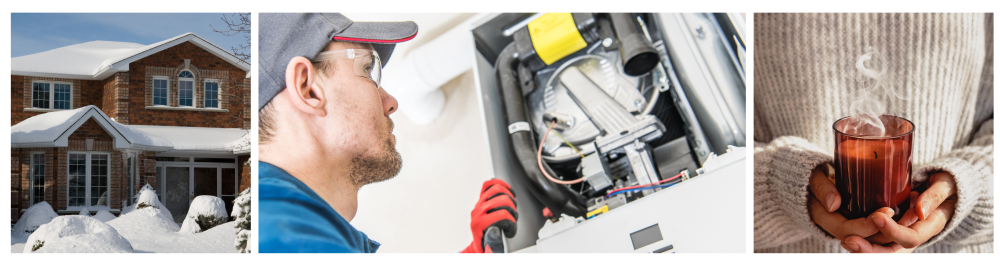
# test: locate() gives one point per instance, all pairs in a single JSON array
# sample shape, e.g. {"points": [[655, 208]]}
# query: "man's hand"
{"points": [[496, 207], [823, 205], [925, 219]]}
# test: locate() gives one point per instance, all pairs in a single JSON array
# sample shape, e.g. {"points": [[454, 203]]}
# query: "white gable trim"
{"points": [[122, 65], [120, 141]]}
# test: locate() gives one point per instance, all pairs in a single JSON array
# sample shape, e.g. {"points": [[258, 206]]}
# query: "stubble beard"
{"points": [[383, 166]]}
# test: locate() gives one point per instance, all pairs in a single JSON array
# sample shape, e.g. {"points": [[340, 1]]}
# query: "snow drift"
{"points": [[104, 216], [37, 215], [77, 234], [146, 219]]}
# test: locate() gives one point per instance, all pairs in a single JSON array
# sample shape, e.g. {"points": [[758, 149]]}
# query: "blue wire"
{"points": [[639, 189]]}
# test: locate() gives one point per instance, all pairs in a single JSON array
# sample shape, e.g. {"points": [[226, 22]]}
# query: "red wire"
{"points": [[646, 185]]}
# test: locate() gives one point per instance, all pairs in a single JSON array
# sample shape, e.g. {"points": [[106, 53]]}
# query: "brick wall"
{"points": [[114, 97], [244, 173], [204, 65], [85, 92]]}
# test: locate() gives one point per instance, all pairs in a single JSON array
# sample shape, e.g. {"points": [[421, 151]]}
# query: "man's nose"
{"points": [[389, 103]]}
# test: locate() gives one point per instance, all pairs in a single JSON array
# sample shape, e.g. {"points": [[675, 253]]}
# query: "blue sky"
{"points": [[33, 33]]}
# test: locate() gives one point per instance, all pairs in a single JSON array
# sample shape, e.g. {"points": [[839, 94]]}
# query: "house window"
{"points": [[212, 94], [40, 95], [88, 180], [37, 178], [51, 95], [160, 85], [185, 93]]}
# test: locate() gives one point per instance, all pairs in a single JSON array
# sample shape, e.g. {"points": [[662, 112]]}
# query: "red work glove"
{"points": [[496, 207]]}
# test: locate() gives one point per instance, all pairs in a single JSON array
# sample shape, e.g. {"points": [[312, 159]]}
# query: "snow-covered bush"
{"points": [[37, 215], [147, 199], [104, 216], [78, 234], [206, 211], [241, 211], [84, 212]]}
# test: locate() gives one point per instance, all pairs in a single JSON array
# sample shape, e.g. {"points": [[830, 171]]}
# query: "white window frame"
{"points": [[52, 93], [31, 178], [218, 92], [194, 87], [164, 78], [88, 185]]}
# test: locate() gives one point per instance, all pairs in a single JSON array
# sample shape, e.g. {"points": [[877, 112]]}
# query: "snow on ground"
{"points": [[17, 248], [205, 205], [77, 234], [104, 216], [37, 215], [84, 212], [150, 231]]}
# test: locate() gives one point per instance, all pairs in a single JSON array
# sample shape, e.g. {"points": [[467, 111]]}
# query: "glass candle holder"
{"points": [[873, 171]]}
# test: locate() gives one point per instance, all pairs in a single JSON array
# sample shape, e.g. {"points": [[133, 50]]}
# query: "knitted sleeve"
{"points": [[781, 179], [972, 167]]}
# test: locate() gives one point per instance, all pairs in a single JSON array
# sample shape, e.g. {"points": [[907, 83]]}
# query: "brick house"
{"points": [[92, 123]]}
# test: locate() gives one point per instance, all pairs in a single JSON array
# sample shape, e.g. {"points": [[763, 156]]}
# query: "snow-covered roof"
{"points": [[199, 139], [97, 60], [53, 129]]}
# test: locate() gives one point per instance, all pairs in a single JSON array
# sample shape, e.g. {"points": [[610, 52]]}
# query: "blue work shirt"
{"points": [[293, 218]]}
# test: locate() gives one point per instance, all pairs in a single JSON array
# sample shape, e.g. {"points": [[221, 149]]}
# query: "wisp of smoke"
{"points": [[874, 99]]}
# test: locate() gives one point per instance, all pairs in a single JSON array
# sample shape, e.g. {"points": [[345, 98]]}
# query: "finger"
{"points": [[496, 204], [824, 191], [835, 223], [909, 218], [495, 182], [942, 187], [920, 231], [879, 238], [856, 244], [508, 226], [495, 191]]}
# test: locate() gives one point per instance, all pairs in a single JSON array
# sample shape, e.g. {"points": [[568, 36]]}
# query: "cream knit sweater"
{"points": [[803, 79]]}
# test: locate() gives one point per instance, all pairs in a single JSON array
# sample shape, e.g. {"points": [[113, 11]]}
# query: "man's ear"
{"points": [[299, 78]]}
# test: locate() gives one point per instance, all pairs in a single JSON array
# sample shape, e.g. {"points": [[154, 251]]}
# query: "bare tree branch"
{"points": [[238, 24]]}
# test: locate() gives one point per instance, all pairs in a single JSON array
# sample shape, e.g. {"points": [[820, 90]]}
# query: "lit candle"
{"points": [[872, 172]]}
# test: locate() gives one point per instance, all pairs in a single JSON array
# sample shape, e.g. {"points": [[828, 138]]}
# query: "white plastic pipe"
{"points": [[414, 79]]}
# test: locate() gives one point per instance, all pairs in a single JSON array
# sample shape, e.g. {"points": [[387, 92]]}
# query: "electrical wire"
{"points": [[569, 144], [640, 189], [539, 157], [644, 185]]}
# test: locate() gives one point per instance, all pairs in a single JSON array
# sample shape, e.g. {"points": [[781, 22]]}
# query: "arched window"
{"points": [[185, 91]]}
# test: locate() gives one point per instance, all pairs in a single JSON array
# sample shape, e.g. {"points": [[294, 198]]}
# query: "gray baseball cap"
{"points": [[283, 36]]}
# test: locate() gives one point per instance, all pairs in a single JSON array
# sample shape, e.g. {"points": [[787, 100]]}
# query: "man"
{"points": [[325, 131]]}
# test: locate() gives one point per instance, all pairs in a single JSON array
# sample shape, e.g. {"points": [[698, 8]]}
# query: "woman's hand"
{"points": [[823, 204], [933, 209]]}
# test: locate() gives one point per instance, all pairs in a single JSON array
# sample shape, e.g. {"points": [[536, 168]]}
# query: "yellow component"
{"points": [[554, 36], [601, 210]]}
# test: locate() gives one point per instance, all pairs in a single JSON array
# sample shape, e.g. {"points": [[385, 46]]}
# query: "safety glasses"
{"points": [[366, 62]]}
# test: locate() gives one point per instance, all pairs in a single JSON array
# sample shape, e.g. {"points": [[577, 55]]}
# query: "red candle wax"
{"points": [[873, 172]]}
